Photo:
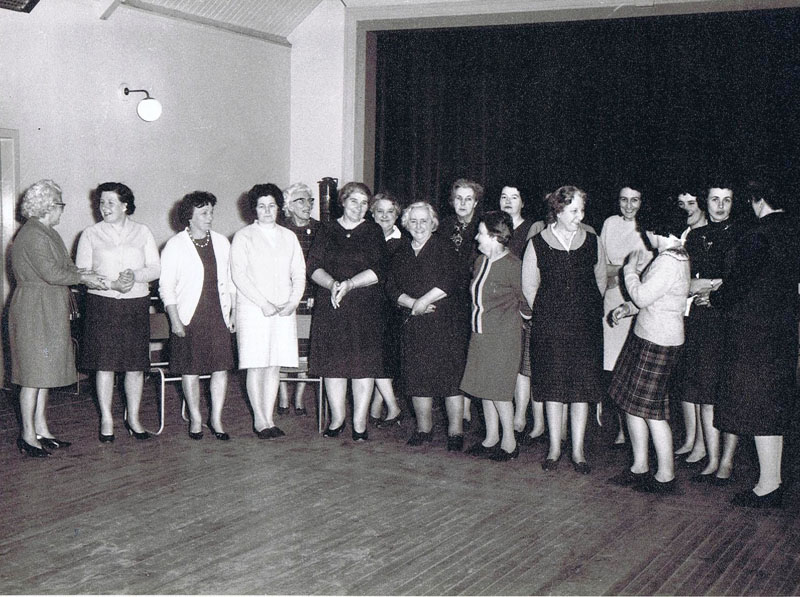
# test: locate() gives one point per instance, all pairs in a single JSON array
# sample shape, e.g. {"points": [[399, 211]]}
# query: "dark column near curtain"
{"points": [[587, 103]]}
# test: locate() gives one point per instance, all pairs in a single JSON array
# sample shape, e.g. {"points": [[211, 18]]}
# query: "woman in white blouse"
{"points": [[117, 328], [197, 292], [620, 237], [269, 272]]}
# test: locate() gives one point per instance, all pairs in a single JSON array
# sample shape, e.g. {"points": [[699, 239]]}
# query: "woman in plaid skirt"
{"points": [[639, 384]]}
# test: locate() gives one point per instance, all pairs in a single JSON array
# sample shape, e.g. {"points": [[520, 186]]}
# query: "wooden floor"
{"points": [[308, 515]]}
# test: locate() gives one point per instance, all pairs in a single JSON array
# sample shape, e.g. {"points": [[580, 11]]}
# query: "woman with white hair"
{"points": [[423, 280], [42, 355]]}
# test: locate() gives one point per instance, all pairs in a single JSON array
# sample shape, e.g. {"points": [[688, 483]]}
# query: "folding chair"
{"points": [[291, 374]]}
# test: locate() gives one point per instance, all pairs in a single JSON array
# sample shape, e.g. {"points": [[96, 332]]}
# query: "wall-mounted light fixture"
{"points": [[149, 109]]}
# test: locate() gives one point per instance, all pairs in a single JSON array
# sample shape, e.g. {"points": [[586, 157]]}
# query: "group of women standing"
{"points": [[486, 306]]}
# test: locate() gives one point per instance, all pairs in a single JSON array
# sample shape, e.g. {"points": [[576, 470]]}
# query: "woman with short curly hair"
{"points": [[42, 355]]}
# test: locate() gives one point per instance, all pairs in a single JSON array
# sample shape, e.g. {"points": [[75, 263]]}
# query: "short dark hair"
{"points": [[264, 190], [499, 225], [192, 201], [761, 186], [560, 198], [123, 192], [354, 187]]}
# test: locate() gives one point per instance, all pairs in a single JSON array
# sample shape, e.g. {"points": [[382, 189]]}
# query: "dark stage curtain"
{"points": [[587, 103]]}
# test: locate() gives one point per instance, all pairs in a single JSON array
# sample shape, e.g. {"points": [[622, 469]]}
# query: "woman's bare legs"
{"points": [[466, 409], [134, 382], [690, 426], [423, 411], [640, 435], [191, 393], [554, 411], [620, 439], [28, 405], [505, 412], [454, 406], [522, 396], [770, 451], [40, 414], [219, 391], [699, 448], [579, 415], [537, 408], [385, 389], [712, 437], [262, 390], [104, 381], [662, 441], [362, 392], [336, 389], [729, 443], [492, 421]]}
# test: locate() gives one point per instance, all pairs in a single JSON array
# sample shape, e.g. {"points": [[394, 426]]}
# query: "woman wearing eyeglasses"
{"points": [[298, 200], [42, 356]]}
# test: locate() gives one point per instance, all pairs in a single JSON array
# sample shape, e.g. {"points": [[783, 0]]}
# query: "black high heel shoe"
{"points": [[106, 439], [196, 435], [360, 437], [52, 443], [329, 432], [222, 436], [503, 456], [137, 434], [29, 450]]}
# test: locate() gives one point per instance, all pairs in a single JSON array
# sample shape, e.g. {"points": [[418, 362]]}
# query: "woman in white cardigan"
{"points": [[643, 369], [197, 292]]}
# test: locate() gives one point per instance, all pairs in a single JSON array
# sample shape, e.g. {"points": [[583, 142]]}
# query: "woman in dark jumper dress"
{"points": [[563, 278], [197, 292], [758, 391]]}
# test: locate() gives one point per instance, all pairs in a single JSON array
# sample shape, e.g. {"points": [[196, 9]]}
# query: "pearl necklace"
{"points": [[202, 244]]}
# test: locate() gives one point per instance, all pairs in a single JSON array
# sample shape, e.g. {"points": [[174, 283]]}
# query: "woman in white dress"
{"points": [[269, 272], [620, 237]]}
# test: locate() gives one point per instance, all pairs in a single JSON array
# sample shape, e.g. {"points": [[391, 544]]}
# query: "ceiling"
{"points": [[274, 20]]}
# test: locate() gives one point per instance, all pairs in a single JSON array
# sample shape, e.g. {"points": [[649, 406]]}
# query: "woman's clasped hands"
{"points": [[339, 290]]}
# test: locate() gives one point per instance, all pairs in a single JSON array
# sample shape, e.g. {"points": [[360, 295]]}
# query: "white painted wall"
{"points": [[317, 75], [225, 124]]}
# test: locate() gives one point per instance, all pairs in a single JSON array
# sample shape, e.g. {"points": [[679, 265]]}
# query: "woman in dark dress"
{"points": [[42, 355], [346, 262], [512, 202], [385, 210], [758, 299], [699, 374], [423, 280], [460, 228], [564, 278], [197, 292]]}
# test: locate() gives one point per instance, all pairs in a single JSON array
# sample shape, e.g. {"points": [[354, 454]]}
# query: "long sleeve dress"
{"points": [[348, 342], [266, 266], [42, 355], [434, 347], [494, 347], [620, 238], [759, 302], [710, 249]]}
